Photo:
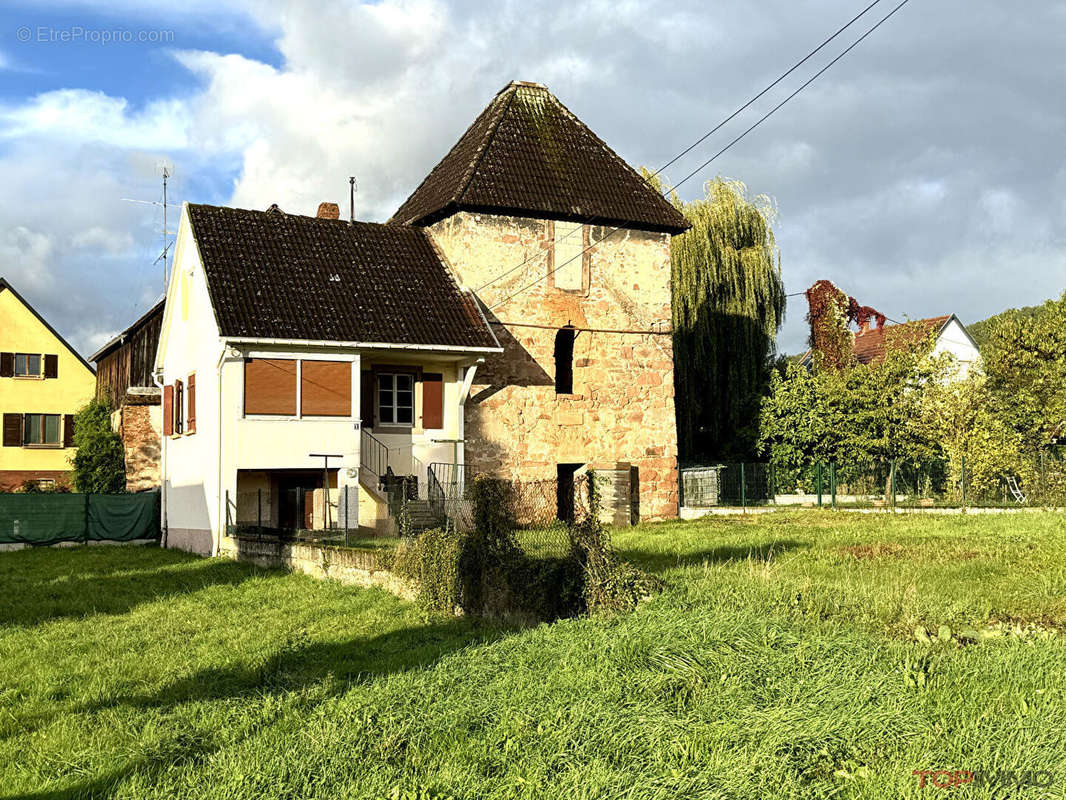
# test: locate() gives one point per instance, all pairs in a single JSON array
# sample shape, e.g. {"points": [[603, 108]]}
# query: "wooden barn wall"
{"points": [[129, 365]]}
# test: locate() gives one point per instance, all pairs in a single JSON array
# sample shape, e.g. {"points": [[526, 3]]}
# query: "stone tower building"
{"points": [[568, 250]]}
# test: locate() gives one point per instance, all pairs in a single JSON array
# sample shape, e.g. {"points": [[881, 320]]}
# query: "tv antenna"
{"points": [[166, 242]]}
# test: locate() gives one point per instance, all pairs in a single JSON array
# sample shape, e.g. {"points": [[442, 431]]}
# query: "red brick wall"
{"points": [[139, 429], [12, 479]]}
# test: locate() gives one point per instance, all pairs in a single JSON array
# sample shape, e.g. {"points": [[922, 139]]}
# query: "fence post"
{"points": [[963, 480], [1043, 480], [818, 481], [892, 482], [85, 525], [259, 513], [833, 481], [743, 493]]}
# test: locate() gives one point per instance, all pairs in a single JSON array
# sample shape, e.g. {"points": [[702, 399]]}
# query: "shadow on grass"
{"points": [[46, 584], [661, 562]]}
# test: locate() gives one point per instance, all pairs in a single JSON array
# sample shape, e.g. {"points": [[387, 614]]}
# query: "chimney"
{"points": [[328, 211], [864, 327]]}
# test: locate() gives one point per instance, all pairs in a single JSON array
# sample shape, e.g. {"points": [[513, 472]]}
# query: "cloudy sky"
{"points": [[924, 173]]}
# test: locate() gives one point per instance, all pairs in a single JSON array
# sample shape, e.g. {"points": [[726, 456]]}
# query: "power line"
{"points": [[713, 130], [692, 174]]}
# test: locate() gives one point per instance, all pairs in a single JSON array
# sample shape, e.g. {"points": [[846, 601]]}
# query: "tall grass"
{"points": [[780, 662]]}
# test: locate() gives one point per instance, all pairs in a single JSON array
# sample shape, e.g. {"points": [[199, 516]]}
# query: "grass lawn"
{"points": [[781, 661]]}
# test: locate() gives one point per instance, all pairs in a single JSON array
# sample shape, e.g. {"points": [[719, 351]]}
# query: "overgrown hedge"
{"points": [[485, 572]]}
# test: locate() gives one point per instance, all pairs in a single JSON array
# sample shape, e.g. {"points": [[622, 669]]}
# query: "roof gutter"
{"points": [[436, 348]]}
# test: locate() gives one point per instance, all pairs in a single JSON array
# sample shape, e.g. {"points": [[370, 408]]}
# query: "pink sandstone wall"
{"points": [[622, 407]]}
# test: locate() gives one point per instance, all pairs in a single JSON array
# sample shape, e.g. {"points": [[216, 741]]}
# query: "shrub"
{"points": [[100, 463], [431, 562]]}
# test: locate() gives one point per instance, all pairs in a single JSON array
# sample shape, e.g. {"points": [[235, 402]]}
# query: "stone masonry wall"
{"points": [[140, 427], [622, 406]]}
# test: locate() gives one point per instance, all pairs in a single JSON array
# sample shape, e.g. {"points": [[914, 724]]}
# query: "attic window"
{"points": [[564, 360]]}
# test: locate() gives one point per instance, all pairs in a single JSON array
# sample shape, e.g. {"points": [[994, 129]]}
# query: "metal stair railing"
{"points": [[373, 453]]}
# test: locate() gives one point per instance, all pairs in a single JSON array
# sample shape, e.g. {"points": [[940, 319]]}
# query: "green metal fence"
{"points": [[50, 518], [892, 483]]}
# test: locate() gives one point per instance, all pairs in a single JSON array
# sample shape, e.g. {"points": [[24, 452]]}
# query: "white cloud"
{"points": [[890, 174], [81, 116]]}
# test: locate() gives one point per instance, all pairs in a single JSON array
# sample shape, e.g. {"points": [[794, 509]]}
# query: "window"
{"points": [[564, 360], [569, 256], [27, 365], [179, 407], [41, 429], [396, 398]]}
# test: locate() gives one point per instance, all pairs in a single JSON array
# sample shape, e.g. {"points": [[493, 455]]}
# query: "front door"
{"points": [[564, 491], [296, 499]]}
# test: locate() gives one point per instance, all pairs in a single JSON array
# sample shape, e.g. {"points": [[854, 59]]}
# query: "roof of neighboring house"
{"points": [[870, 346], [112, 345], [527, 155], [272, 275], [5, 286]]}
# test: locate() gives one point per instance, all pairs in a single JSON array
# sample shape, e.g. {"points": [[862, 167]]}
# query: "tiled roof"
{"points": [[283, 276], [870, 346], [527, 155]]}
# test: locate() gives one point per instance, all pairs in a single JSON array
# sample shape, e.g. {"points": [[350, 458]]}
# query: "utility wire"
{"points": [[751, 128], [716, 128]]}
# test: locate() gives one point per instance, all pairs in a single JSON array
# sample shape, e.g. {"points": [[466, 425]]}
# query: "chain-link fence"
{"points": [[308, 513], [894, 483]]}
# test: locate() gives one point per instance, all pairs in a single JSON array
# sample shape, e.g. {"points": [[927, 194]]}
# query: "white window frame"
{"points": [[394, 406]]}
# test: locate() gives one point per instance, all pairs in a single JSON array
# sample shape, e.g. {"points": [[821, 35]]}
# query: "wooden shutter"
{"points": [[168, 410], [12, 430], [366, 399], [68, 430], [190, 421], [51, 365], [7, 365], [432, 400], [270, 386], [326, 388]]}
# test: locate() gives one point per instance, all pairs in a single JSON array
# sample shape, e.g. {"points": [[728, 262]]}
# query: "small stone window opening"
{"points": [[564, 360]]}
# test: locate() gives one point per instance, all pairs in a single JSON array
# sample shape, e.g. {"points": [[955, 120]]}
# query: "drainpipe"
{"points": [[157, 379], [219, 502]]}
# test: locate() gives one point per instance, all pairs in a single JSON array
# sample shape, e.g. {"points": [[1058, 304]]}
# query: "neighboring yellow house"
{"points": [[43, 382]]}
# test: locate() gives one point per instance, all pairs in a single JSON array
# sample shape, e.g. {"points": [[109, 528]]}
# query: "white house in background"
{"points": [[287, 337], [951, 336]]}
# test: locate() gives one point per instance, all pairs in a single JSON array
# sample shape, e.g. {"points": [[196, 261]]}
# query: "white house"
{"points": [[951, 336], [287, 339]]}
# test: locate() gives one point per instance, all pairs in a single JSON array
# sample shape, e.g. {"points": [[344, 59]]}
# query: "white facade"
{"points": [[955, 339], [232, 453]]}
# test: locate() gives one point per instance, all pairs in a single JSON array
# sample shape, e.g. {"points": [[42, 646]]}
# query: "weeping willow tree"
{"points": [[728, 304]]}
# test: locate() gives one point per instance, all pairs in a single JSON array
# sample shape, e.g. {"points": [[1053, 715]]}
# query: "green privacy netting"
{"points": [[43, 519]]}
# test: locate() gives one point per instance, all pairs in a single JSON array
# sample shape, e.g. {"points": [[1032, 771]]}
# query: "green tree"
{"points": [[860, 417], [728, 304], [99, 464], [1025, 361]]}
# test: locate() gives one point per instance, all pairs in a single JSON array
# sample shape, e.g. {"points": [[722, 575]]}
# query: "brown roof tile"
{"points": [[869, 347], [283, 276], [526, 154]]}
